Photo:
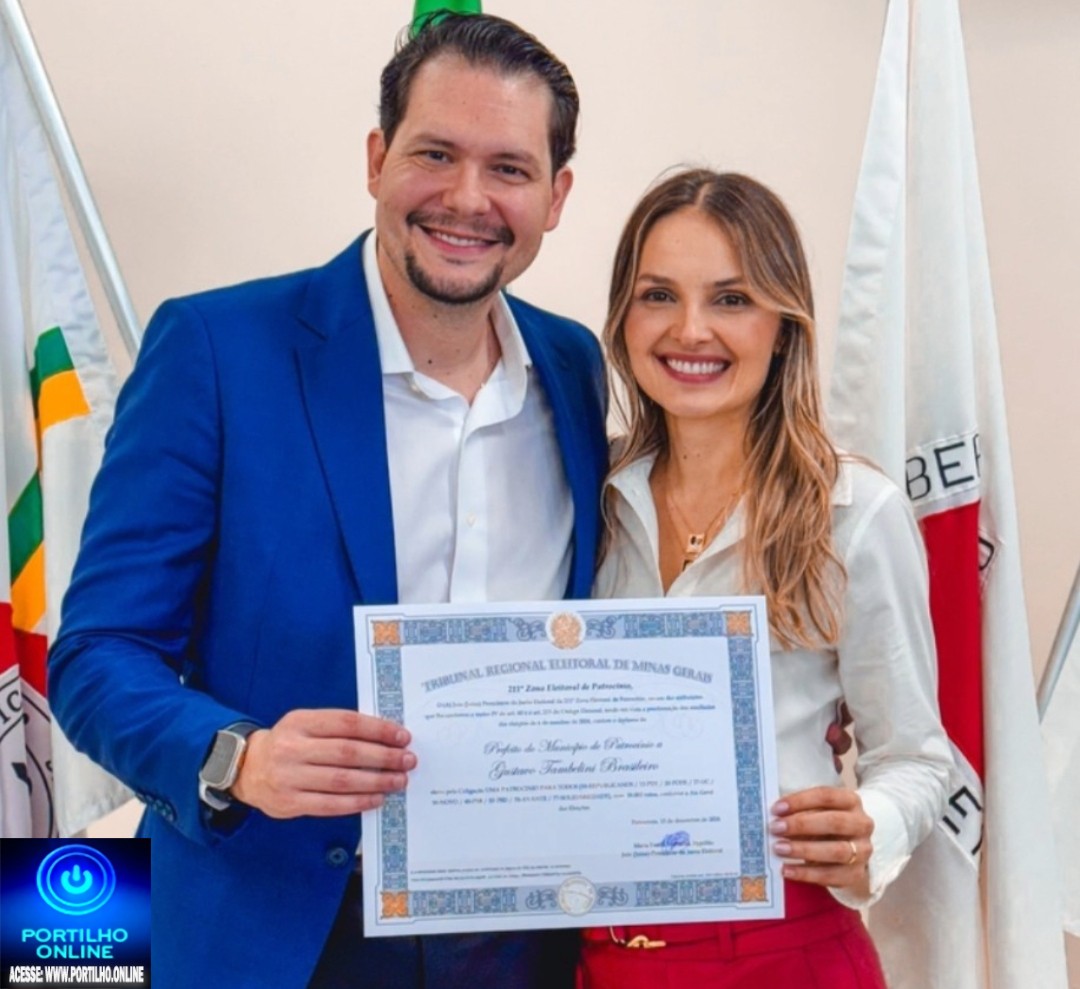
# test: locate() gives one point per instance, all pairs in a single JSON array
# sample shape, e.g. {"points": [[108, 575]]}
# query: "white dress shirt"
{"points": [[884, 665], [482, 510]]}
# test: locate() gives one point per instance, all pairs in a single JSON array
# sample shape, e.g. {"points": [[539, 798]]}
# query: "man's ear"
{"points": [[560, 189], [376, 156]]}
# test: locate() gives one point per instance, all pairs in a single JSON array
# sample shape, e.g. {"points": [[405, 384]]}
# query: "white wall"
{"points": [[224, 140]]}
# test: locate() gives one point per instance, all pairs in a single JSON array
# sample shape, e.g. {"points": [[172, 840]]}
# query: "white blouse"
{"points": [[884, 666]]}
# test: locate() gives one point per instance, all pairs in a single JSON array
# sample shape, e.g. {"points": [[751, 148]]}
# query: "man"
{"points": [[388, 427]]}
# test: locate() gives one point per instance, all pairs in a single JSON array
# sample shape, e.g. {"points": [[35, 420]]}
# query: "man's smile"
{"points": [[454, 234]]}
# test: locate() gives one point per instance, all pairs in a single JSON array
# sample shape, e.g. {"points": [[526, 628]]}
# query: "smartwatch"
{"points": [[222, 764]]}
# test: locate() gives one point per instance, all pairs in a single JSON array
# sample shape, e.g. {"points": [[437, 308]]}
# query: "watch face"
{"points": [[220, 767]]}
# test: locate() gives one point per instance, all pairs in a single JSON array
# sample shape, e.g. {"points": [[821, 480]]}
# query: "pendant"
{"points": [[695, 543]]}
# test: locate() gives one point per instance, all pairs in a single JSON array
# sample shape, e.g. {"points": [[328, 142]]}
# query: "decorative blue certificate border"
{"points": [[752, 886]]}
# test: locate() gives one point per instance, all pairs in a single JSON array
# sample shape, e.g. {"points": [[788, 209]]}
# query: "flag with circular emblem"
{"points": [[57, 389]]}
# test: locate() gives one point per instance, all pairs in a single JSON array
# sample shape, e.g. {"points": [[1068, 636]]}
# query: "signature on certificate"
{"points": [[677, 839]]}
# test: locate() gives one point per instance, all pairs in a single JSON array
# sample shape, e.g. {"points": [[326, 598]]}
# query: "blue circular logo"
{"points": [[76, 879]]}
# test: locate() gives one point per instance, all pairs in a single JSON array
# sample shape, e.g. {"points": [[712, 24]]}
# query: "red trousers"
{"points": [[819, 944]]}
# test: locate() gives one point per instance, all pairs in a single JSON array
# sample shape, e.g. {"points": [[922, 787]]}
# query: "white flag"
{"points": [[57, 390], [1061, 733], [917, 387]]}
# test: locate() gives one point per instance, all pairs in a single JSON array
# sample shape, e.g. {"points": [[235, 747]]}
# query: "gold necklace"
{"points": [[697, 540]]}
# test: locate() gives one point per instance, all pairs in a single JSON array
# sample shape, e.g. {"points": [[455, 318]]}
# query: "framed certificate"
{"points": [[581, 763]]}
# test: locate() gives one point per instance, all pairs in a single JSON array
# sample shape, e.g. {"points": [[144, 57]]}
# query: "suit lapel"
{"points": [[341, 381], [562, 387]]}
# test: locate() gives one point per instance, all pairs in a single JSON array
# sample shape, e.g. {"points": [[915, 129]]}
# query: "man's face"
{"points": [[464, 193]]}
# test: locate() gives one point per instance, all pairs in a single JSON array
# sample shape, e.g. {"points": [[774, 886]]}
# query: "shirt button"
{"points": [[338, 856], [470, 520]]}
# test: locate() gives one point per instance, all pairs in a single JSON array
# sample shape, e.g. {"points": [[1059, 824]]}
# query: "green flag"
{"points": [[423, 9]]}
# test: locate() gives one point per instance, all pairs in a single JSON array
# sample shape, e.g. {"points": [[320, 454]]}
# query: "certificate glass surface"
{"points": [[581, 763]]}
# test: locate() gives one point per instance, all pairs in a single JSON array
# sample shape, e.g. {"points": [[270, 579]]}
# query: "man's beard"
{"points": [[447, 292]]}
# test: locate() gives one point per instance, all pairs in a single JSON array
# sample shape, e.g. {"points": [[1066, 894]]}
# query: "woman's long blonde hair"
{"points": [[791, 464]]}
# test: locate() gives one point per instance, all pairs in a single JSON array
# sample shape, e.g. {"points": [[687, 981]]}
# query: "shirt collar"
{"points": [[394, 355], [632, 483], [841, 493]]}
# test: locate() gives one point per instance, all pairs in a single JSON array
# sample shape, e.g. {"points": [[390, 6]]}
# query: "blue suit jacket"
{"points": [[242, 509]]}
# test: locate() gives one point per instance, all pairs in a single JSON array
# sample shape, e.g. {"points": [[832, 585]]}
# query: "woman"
{"points": [[725, 483]]}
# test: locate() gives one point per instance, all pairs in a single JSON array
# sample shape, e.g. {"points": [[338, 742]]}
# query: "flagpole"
{"points": [[1070, 622], [71, 171]]}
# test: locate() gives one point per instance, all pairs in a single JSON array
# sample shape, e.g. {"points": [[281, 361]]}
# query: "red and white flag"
{"points": [[917, 387]]}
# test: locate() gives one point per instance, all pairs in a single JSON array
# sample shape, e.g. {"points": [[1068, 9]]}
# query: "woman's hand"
{"points": [[826, 831]]}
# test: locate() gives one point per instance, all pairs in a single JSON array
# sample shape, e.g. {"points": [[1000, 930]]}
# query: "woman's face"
{"points": [[700, 345]]}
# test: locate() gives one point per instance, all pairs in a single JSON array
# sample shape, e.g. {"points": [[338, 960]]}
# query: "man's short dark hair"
{"points": [[489, 42]]}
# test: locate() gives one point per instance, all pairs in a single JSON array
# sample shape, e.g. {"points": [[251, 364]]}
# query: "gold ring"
{"points": [[854, 853]]}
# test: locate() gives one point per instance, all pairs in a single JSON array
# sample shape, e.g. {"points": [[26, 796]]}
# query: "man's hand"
{"points": [[323, 763], [828, 834]]}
